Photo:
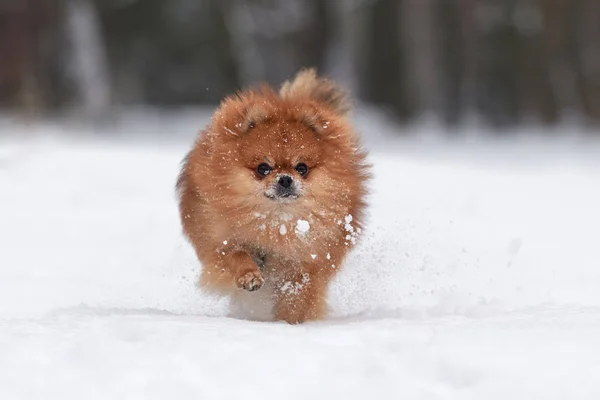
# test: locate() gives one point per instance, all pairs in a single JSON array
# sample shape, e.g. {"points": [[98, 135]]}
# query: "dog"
{"points": [[272, 197]]}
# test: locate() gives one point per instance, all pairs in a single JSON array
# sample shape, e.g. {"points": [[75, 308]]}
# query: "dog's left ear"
{"points": [[307, 86]]}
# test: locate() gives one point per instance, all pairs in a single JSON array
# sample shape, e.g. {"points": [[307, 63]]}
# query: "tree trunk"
{"points": [[418, 33], [87, 57]]}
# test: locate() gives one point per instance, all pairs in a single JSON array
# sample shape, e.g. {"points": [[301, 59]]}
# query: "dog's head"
{"points": [[292, 149]]}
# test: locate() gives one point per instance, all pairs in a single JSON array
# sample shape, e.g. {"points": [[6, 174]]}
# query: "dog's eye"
{"points": [[264, 169], [251, 125], [302, 169]]}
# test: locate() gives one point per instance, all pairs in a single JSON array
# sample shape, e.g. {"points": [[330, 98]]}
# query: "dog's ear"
{"points": [[307, 86], [239, 114]]}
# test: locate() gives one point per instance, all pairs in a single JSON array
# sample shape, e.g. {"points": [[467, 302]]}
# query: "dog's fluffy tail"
{"points": [[306, 85]]}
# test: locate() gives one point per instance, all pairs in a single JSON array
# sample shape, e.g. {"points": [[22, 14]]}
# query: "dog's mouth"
{"points": [[282, 196]]}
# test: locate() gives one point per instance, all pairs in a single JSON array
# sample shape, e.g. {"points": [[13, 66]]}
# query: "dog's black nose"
{"points": [[285, 181]]}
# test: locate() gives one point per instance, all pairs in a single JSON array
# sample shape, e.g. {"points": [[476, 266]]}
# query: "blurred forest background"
{"points": [[506, 62]]}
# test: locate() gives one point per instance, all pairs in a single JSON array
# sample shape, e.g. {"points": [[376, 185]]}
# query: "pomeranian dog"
{"points": [[272, 195]]}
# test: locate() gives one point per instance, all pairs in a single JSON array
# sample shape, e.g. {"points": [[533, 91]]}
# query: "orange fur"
{"points": [[234, 227]]}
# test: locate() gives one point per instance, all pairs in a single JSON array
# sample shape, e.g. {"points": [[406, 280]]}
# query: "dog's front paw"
{"points": [[250, 281]]}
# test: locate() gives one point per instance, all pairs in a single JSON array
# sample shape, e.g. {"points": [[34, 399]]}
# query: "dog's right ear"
{"points": [[307, 86]]}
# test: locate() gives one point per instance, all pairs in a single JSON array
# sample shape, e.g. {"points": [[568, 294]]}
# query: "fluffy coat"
{"points": [[251, 244]]}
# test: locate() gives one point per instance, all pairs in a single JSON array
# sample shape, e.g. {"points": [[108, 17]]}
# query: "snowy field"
{"points": [[478, 276]]}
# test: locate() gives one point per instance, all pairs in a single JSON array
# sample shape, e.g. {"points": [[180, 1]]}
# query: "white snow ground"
{"points": [[478, 277]]}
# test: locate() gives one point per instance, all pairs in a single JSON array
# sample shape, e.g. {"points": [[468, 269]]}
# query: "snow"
{"points": [[282, 229], [295, 287], [351, 236], [302, 227], [476, 277]]}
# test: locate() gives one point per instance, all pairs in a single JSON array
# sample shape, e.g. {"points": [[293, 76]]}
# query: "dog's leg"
{"points": [[301, 298], [226, 270]]}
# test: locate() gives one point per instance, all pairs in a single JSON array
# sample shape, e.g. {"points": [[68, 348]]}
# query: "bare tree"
{"points": [[342, 59], [587, 33], [556, 16], [87, 56], [417, 29]]}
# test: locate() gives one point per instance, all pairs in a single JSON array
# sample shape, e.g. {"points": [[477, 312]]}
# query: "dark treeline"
{"points": [[506, 61]]}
